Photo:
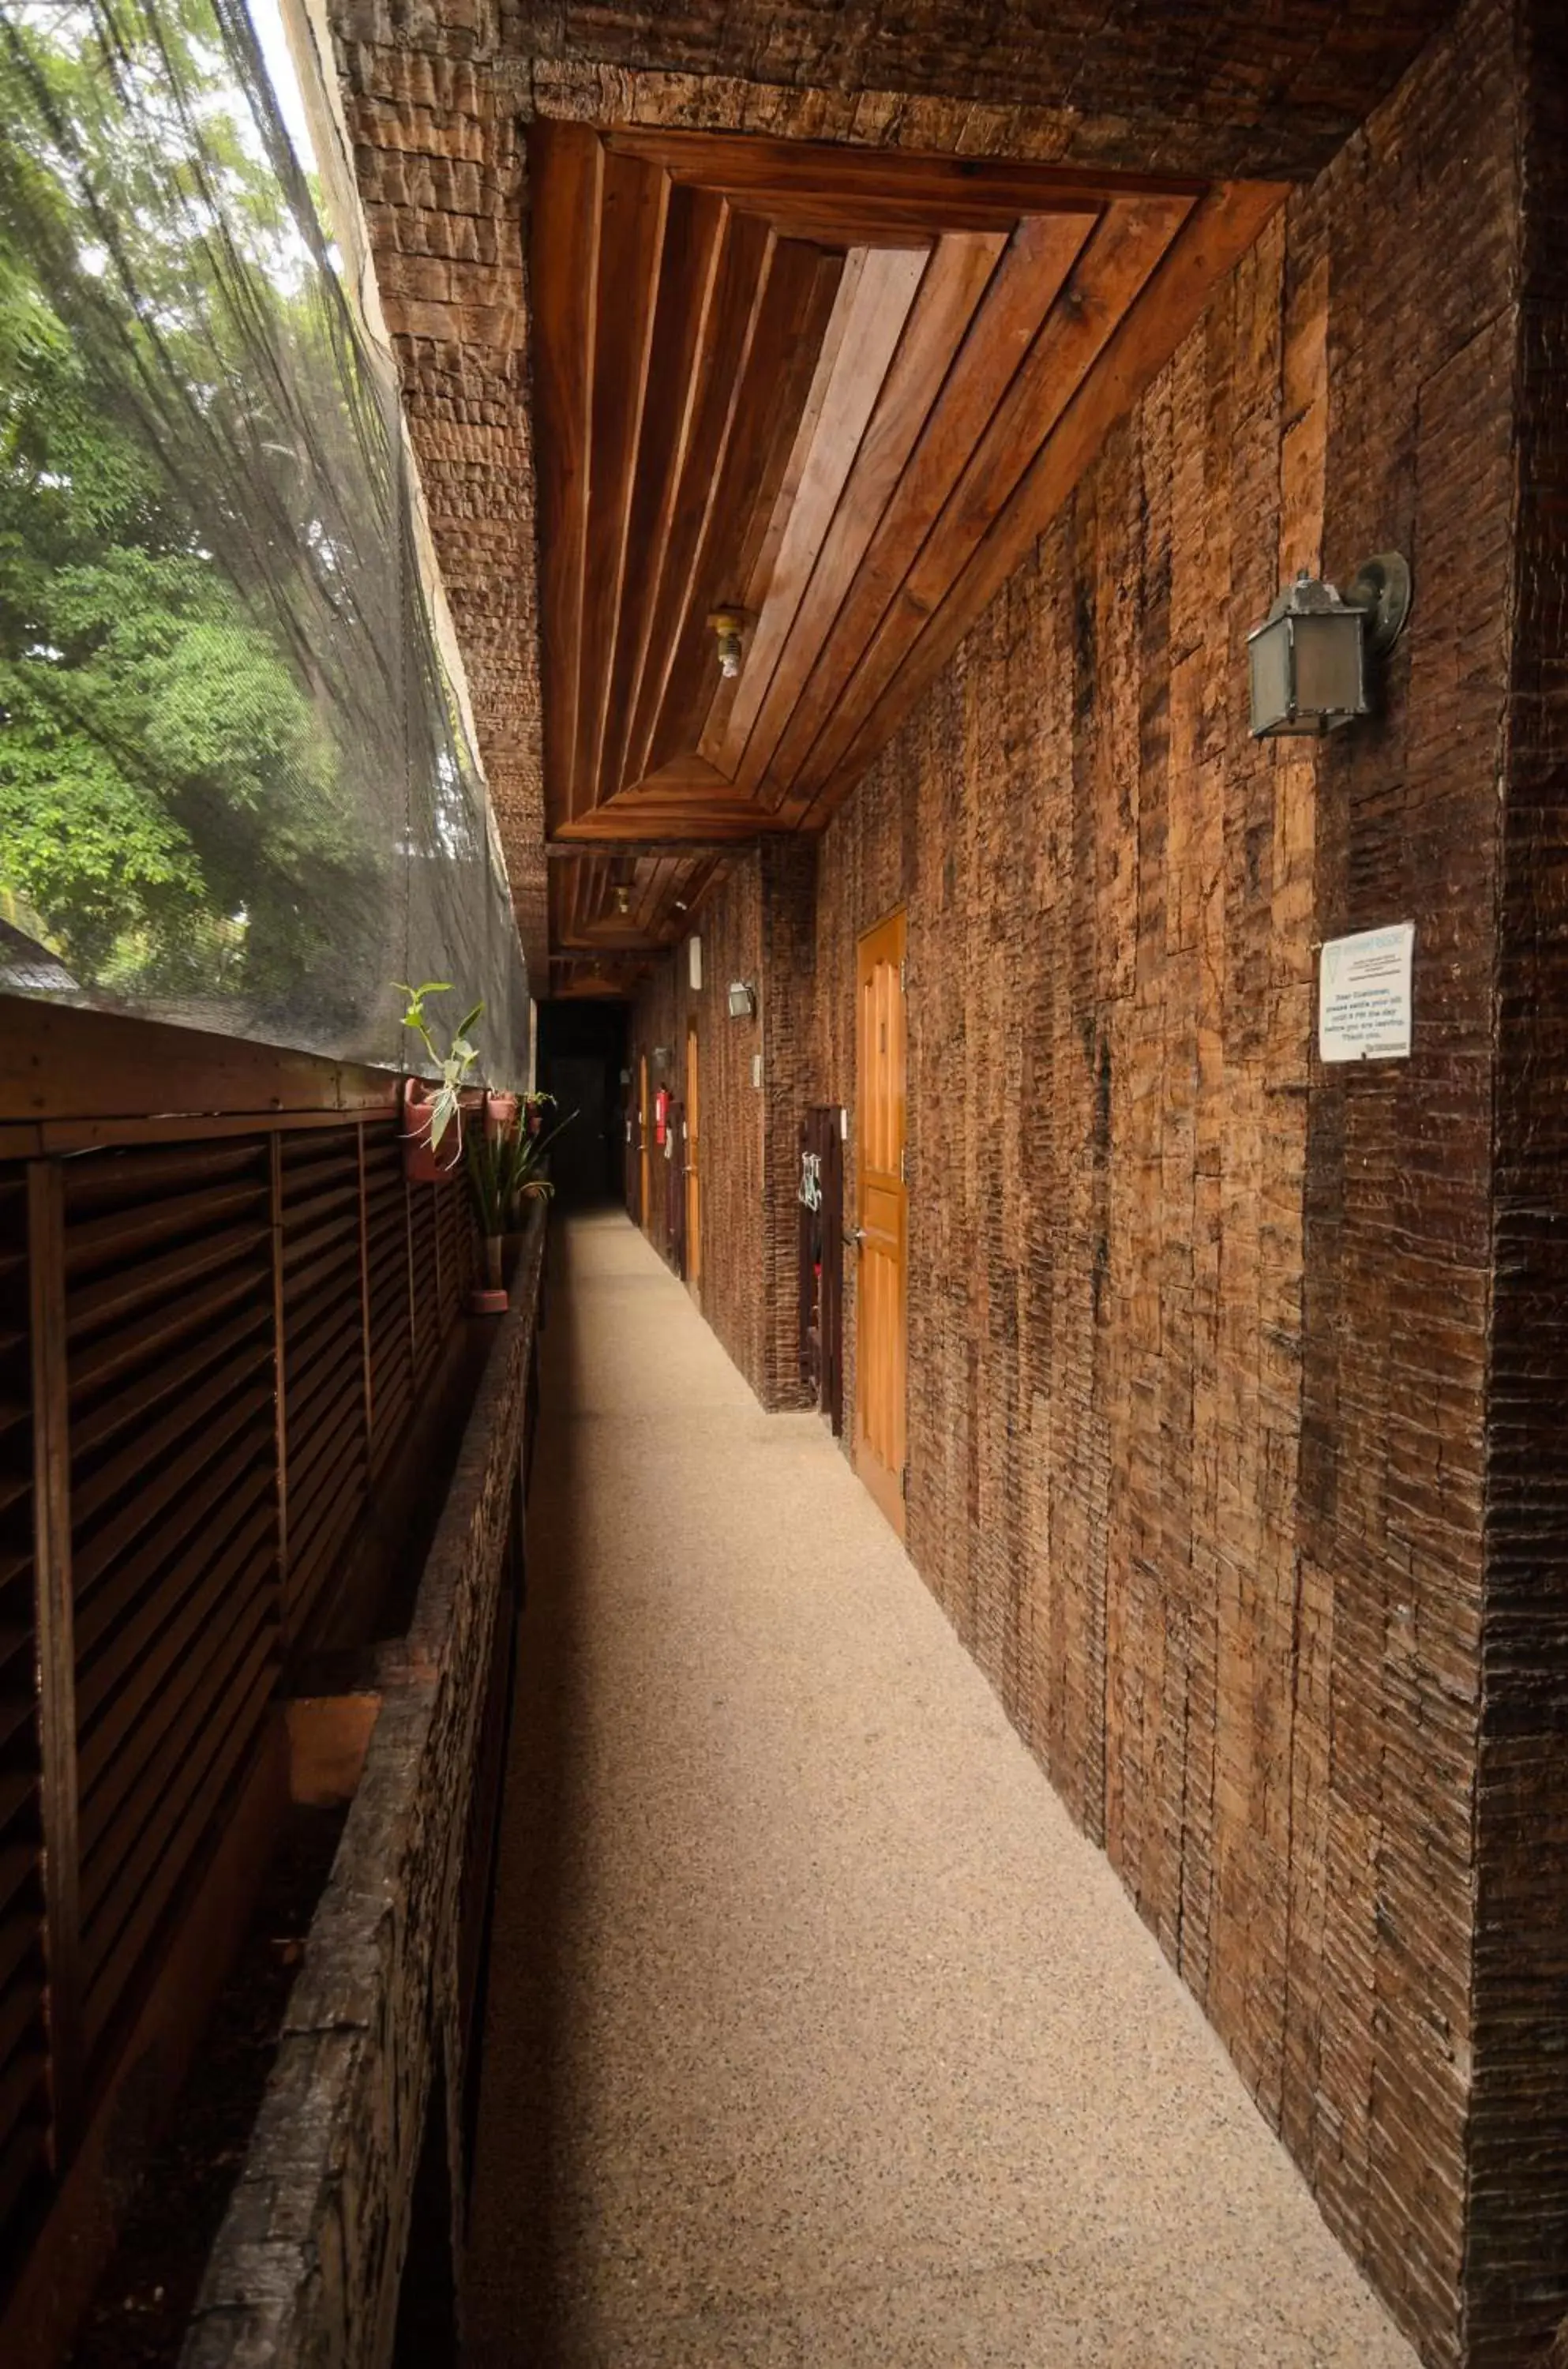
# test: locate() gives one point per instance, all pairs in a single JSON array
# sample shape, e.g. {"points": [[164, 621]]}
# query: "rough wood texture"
{"points": [[1199, 1346], [1212, 87], [1519, 2104]]}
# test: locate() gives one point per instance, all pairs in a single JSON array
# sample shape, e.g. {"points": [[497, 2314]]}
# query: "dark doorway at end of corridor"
{"points": [[582, 1054]]}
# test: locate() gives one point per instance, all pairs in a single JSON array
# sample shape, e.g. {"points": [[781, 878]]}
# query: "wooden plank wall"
{"points": [[1198, 1332]]}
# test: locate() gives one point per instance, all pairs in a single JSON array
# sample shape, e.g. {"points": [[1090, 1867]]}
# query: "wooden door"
{"points": [[693, 1174], [645, 1128], [881, 1220]]}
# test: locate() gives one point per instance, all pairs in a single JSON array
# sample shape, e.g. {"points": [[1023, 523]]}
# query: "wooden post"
{"points": [[279, 1380], [365, 1301], [56, 1650]]}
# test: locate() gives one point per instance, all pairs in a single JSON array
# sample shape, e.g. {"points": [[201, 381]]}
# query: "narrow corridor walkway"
{"points": [[816, 2034]]}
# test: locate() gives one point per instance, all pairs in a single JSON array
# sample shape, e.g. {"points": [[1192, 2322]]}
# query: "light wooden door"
{"points": [[644, 1129], [881, 1235], [694, 1174]]}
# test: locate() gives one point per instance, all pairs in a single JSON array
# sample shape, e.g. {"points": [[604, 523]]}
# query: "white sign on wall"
{"points": [[1364, 995]]}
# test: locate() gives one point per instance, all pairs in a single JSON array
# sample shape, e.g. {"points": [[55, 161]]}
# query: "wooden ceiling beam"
{"points": [[955, 282], [1216, 234], [742, 161], [577, 850], [739, 310], [853, 365], [1120, 258], [1017, 302], [634, 212], [684, 331], [564, 277], [830, 220], [793, 321]]}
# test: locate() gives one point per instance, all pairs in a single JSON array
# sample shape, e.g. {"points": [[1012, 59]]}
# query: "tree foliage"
{"points": [[198, 577]]}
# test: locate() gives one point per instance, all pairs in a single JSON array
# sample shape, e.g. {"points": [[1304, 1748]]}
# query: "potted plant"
{"points": [[506, 1169], [430, 1118]]}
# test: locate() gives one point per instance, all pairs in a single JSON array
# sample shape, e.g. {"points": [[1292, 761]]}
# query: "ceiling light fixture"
{"points": [[729, 622]]}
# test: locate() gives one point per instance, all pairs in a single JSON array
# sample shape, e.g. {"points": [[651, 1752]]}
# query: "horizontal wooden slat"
{"points": [[126, 1289], [150, 1883], [230, 1482], [160, 1742], [97, 1550], [95, 1364], [112, 1692], [124, 1234], [173, 1376]]}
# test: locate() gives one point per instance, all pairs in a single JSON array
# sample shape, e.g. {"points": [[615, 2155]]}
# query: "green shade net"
{"points": [[235, 786]]}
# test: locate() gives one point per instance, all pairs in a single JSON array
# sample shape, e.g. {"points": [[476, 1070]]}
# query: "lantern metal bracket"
{"points": [[1380, 589]]}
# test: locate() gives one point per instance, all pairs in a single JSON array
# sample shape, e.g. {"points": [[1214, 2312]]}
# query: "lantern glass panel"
{"points": [[1328, 666], [1268, 653]]}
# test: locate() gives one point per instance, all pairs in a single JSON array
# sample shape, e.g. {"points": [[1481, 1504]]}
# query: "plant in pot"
{"points": [[506, 1171], [434, 1114], [430, 1118]]}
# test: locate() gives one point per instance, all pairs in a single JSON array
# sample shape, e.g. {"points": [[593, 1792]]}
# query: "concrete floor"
{"points": [[817, 2033]]}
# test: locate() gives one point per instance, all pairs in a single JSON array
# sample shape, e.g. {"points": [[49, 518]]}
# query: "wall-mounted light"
{"points": [[623, 900], [742, 999], [729, 622], [1307, 662]]}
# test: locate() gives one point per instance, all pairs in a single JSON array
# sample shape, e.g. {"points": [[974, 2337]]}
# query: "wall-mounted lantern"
{"points": [[742, 999], [1308, 660]]}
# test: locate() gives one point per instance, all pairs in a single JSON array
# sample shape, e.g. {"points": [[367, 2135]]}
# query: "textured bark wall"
{"points": [[1215, 87], [1517, 2271], [1198, 1332]]}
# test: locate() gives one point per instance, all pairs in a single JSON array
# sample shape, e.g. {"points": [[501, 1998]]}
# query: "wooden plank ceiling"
{"points": [[841, 391]]}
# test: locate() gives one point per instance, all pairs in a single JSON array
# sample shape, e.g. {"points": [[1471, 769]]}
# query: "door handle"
{"points": [[853, 1237]]}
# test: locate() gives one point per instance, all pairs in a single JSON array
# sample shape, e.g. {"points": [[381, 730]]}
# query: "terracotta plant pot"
{"points": [[421, 1165], [500, 1115], [491, 1300]]}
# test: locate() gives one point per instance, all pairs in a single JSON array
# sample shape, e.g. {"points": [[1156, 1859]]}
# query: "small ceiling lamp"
{"points": [[728, 624], [1308, 661], [742, 999]]}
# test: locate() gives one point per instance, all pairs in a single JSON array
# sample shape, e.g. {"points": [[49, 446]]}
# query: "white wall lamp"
{"points": [[1308, 661], [742, 999]]}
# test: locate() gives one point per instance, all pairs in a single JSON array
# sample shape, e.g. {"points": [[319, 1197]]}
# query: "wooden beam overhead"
{"points": [[699, 225], [575, 850], [742, 161], [1219, 233], [634, 212], [838, 391]]}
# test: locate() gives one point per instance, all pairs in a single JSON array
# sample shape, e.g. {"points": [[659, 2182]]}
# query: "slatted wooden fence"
{"points": [[210, 1350]]}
